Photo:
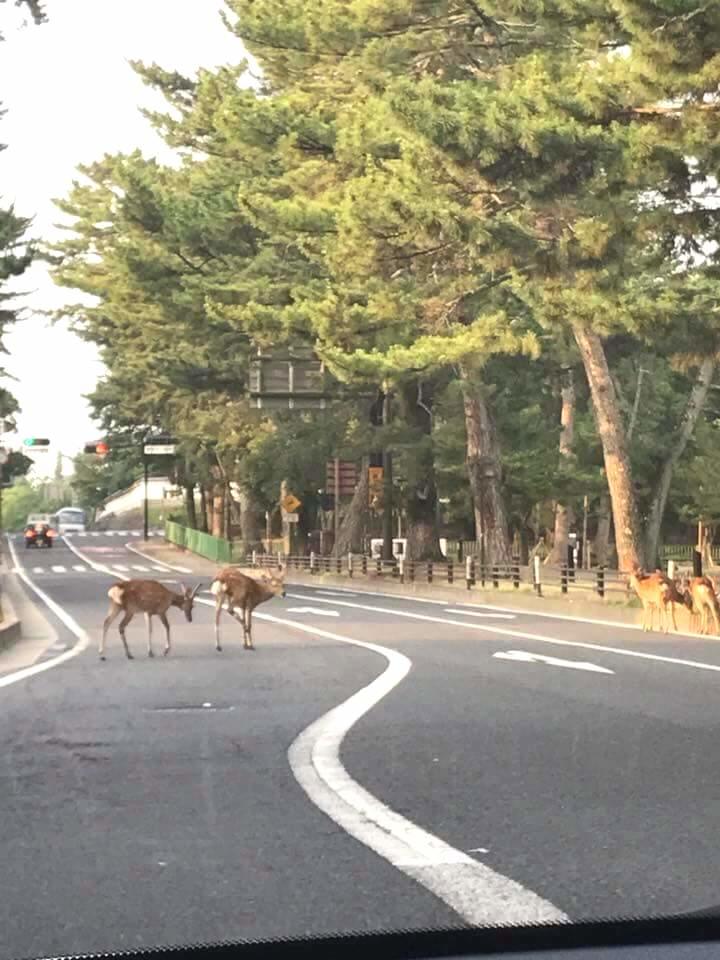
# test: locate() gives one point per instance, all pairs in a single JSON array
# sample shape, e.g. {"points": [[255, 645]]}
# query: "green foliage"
{"points": [[23, 499]]}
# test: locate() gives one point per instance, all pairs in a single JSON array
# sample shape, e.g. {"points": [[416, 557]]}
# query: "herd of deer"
{"points": [[230, 587], [658, 592]]}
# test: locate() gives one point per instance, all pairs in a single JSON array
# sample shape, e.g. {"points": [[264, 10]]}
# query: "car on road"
{"points": [[70, 520], [39, 533]]}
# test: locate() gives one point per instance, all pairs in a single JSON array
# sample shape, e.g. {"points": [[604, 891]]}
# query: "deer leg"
{"points": [[218, 612], [148, 621], [672, 616], [112, 615], [716, 619], [249, 643], [121, 627], [166, 624]]}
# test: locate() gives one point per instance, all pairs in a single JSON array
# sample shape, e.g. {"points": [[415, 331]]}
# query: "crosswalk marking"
{"points": [[136, 566], [120, 567], [38, 569], [59, 569], [80, 568], [161, 569]]}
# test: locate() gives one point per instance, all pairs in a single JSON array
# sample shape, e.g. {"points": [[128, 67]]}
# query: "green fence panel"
{"points": [[203, 544]]}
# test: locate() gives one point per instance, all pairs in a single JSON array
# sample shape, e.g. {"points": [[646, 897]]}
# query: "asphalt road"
{"points": [[533, 767]]}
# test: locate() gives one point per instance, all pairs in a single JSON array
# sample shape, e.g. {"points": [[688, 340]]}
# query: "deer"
{"points": [[238, 590], [151, 598], [656, 591], [702, 602]]}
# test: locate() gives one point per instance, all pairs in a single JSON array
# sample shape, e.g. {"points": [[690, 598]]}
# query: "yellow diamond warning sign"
{"points": [[290, 503]]}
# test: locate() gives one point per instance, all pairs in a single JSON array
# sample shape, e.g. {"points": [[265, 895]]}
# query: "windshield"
{"points": [[363, 359]]}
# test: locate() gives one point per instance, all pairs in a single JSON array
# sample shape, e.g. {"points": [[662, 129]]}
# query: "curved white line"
{"points": [[153, 560], [477, 893], [72, 625]]}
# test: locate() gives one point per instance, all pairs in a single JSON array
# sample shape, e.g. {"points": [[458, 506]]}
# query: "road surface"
{"points": [[496, 766]]}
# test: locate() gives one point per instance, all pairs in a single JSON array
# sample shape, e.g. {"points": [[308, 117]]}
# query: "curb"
{"points": [[10, 626]]}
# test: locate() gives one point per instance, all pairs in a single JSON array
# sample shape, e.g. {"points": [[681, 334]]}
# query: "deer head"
{"points": [[275, 582], [188, 600]]}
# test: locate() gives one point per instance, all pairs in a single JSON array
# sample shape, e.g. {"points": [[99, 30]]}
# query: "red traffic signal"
{"points": [[98, 449]]}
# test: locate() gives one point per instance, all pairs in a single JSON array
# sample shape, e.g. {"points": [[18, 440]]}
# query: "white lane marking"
{"points": [[478, 613], [93, 564], [478, 850], [138, 566], [524, 657], [134, 533], [161, 569], [516, 610], [315, 611], [477, 893], [58, 568], [38, 569], [677, 661], [94, 534], [65, 618], [336, 593], [120, 567], [80, 568]]}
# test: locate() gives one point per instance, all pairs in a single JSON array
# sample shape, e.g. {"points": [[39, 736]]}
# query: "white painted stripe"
{"points": [[522, 656], [65, 618], [336, 593], [94, 534], [59, 569], [315, 611], [134, 533], [38, 569], [162, 565], [137, 566], [676, 661], [100, 567], [80, 568], [162, 569], [119, 566], [479, 613], [481, 896]]}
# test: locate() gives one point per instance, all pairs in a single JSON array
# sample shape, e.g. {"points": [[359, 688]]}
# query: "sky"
{"points": [[70, 97]]}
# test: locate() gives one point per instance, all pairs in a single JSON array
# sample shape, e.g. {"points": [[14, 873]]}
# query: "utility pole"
{"points": [[336, 510], [146, 525], [387, 550]]}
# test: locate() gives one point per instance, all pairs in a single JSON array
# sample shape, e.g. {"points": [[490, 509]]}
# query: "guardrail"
{"points": [[599, 582]]}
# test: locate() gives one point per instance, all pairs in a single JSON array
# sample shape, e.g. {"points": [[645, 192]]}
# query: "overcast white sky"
{"points": [[71, 96]]}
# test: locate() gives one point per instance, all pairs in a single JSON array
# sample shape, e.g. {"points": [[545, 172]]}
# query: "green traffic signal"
{"points": [[36, 442]]}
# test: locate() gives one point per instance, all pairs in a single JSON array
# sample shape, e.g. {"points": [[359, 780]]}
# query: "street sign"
{"points": [[290, 503], [348, 477], [159, 449], [291, 518], [375, 486]]}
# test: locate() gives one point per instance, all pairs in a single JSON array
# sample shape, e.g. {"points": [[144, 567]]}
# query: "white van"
{"points": [[70, 520]]}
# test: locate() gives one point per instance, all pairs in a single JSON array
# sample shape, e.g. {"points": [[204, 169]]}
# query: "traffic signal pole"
{"points": [[146, 525]]}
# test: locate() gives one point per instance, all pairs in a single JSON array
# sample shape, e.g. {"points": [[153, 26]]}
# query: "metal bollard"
{"points": [[469, 572], [536, 576], [254, 558], [429, 571], [411, 571], [601, 581], [349, 564], [563, 578], [495, 577], [378, 566], [671, 570], [312, 561], [363, 563], [450, 571], [401, 568], [516, 574]]}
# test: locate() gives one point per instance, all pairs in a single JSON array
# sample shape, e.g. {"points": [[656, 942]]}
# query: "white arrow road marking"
{"points": [[475, 613], [523, 657], [319, 613]]}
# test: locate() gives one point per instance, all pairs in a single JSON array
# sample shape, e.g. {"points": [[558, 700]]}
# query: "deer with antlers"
{"points": [[235, 589], [151, 598], [702, 602], [656, 592]]}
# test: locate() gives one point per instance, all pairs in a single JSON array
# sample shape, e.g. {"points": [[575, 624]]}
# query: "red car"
{"points": [[39, 535]]}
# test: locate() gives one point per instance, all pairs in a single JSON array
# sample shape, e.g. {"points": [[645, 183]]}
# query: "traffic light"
{"points": [[100, 449], [36, 442]]}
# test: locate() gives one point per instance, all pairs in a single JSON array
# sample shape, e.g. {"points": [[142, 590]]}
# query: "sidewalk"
{"points": [[582, 607]]}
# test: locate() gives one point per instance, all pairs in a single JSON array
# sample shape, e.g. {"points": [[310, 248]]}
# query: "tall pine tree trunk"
{"points": [[615, 451], [250, 524], [693, 409], [204, 509], [190, 511], [350, 534], [485, 473], [563, 511], [423, 541]]}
